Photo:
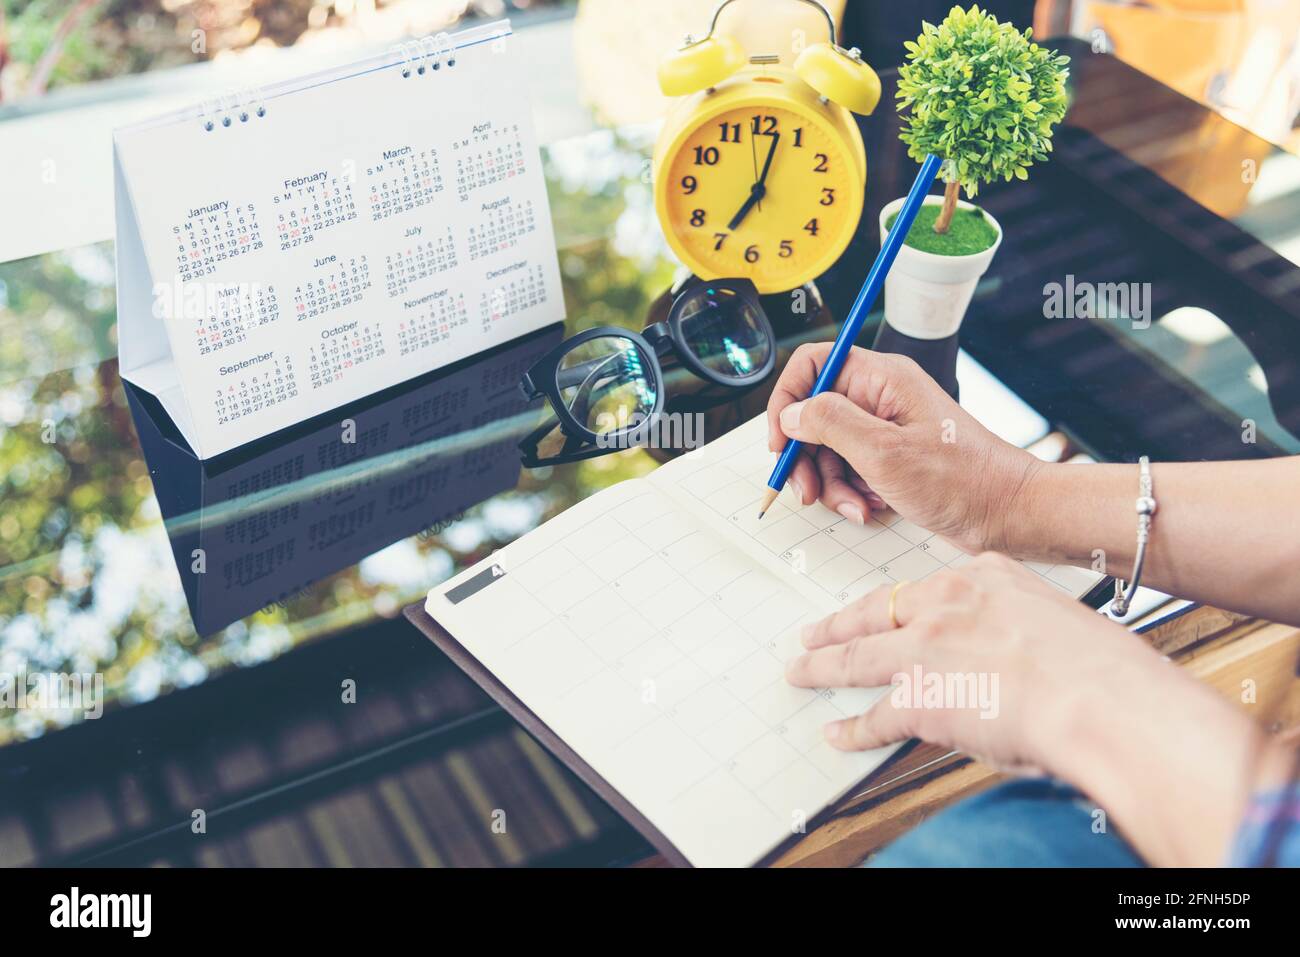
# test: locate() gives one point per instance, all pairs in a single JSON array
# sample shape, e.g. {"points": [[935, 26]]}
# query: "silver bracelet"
{"points": [[1146, 508]]}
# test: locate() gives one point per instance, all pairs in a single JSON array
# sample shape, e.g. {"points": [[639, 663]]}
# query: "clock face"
{"points": [[761, 192]]}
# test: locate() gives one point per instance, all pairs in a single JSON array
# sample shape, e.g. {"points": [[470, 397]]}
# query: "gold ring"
{"points": [[893, 597]]}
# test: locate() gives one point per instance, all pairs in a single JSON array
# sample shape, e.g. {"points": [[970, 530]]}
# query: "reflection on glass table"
{"points": [[262, 525]]}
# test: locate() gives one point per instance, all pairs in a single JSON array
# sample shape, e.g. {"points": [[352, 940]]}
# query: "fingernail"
{"points": [[806, 634], [790, 416], [852, 513], [792, 666], [798, 490], [833, 731]]}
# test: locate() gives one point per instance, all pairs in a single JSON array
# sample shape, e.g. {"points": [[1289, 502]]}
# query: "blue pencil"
{"points": [[857, 315]]}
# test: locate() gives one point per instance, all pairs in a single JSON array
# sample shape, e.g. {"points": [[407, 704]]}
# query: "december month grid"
{"points": [[679, 642]]}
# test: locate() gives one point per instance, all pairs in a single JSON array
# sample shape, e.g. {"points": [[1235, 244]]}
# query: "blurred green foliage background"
{"points": [[87, 578]]}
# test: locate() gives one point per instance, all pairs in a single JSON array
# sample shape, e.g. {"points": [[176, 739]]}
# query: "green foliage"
{"points": [[982, 96]]}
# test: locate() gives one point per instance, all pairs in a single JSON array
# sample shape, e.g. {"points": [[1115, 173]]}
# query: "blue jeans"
{"points": [[1020, 824]]}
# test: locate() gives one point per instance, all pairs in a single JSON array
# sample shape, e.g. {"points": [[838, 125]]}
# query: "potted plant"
{"points": [[983, 97]]}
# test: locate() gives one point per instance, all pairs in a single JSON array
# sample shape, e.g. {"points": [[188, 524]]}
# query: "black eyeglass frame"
{"points": [[543, 377]]}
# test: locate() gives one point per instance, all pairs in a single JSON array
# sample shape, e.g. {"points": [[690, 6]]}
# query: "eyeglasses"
{"points": [[605, 384]]}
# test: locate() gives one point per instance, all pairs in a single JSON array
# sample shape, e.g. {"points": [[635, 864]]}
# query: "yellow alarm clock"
{"points": [[759, 171]]}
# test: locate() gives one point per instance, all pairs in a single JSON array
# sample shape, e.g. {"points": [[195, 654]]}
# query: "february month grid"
{"points": [[309, 205], [842, 558], [679, 642]]}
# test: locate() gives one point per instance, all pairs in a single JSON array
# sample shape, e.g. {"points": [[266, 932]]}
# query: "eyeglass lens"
{"points": [[606, 384], [723, 331]]}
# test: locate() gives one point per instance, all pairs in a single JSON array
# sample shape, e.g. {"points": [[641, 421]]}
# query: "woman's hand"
{"points": [[890, 436], [1020, 655], [1018, 674]]}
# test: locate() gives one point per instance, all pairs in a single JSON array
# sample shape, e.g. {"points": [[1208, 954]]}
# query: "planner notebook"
{"points": [[643, 633], [282, 252]]}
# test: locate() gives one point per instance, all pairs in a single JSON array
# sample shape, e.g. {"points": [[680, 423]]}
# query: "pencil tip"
{"points": [[761, 514]]}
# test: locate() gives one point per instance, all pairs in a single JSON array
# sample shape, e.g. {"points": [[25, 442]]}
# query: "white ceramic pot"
{"points": [[926, 294]]}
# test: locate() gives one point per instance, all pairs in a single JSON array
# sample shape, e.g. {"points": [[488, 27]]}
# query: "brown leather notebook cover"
{"points": [[534, 725], [570, 758]]}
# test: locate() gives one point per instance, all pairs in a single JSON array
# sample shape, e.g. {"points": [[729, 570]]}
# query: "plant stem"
{"points": [[950, 192]]}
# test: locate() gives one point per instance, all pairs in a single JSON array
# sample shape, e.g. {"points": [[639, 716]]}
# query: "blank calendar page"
{"points": [[830, 557], [312, 244], [656, 650], [649, 627]]}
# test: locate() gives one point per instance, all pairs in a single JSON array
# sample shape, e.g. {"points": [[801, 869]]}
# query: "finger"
{"points": [[833, 420], [806, 480], [836, 493], [869, 615], [871, 495], [860, 663], [795, 383], [883, 723]]}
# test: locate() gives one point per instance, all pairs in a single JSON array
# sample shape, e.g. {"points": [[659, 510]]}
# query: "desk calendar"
{"points": [[285, 512], [286, 251], [643, 634]]}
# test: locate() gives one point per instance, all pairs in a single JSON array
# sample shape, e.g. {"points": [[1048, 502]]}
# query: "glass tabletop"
{"points": [[1143, 302]]}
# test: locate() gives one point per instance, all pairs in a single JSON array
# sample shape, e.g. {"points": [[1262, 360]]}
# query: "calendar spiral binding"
{"points": [[425, 54], [417, 57], [226, 108]]}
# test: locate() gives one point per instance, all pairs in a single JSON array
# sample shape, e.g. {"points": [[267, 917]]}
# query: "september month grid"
{"points": [[268, 381]]}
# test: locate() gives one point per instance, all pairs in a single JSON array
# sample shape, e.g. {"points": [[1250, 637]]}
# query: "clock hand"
{"points": [[755, 194], [759, 189], [767, 163]]}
